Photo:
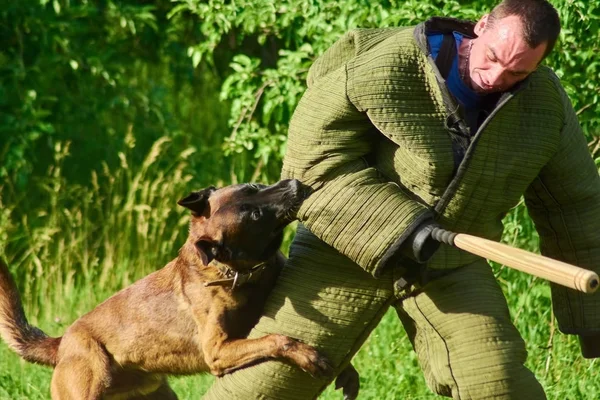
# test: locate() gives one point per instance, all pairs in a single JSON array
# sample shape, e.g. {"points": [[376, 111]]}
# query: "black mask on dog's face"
{"points": [[242, 225]]}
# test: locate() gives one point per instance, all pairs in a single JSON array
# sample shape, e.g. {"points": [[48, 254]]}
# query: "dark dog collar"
{"points": [[235, 278]]}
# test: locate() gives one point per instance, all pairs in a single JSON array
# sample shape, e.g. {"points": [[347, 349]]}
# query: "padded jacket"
{"points": [[375, 135]]}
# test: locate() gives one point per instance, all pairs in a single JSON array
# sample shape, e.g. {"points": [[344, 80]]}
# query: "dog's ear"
{"points": [[207, 250], [196, 201]]}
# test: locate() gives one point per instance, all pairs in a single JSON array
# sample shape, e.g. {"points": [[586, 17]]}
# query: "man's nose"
{"points": [[496, 76]]}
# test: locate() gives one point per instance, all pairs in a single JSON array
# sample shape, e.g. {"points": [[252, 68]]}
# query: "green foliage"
{"points": [[124, 226], [91, 72], [276, 42], [576, 60], [111, 110]]}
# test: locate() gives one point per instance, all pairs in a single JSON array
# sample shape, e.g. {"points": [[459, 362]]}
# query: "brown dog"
{"points": [[191, 316]]}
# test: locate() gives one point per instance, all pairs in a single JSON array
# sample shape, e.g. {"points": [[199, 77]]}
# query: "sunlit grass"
{"points": [[77, 245], [388, 368]]}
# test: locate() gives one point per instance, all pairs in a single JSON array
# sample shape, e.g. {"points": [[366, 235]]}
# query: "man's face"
{"points": [[500, 57]]}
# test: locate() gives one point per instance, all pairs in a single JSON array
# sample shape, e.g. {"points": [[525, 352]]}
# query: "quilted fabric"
{"points": [[370, 135], [467, 345], [373, 136]]}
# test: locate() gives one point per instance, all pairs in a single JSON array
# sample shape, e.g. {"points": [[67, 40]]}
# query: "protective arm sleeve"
{"points": [[564, 202], [353, 209]]}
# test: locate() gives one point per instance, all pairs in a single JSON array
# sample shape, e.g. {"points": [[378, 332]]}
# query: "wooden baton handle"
{"points": [[544, 267]]}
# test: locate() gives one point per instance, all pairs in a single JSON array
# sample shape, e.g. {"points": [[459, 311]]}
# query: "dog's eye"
{"points": [[256, 213]]}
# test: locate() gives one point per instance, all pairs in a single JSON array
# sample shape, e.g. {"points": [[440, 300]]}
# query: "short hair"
{"points": [[541, 23]]}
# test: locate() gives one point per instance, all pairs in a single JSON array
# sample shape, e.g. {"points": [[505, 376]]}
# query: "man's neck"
{"points": [[464, 51]]}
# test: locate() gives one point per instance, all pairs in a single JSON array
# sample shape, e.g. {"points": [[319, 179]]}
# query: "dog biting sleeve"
{"points": [[353, 209], [564, 202]]}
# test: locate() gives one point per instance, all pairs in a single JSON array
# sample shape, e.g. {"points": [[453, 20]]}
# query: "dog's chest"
{"points": [[242, 309]]}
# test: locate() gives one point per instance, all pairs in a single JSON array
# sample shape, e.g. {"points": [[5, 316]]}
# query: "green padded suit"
{"points": [[374, 136]]}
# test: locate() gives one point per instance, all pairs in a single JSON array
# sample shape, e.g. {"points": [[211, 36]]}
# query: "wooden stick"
{"points": [[544, 267]]}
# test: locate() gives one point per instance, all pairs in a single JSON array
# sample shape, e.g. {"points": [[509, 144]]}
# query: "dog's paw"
{"points": [[319, 366], [349, 381], [307, 358]]}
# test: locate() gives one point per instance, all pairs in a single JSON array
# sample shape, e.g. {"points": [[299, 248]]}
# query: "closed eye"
{"points": [[519, 74]]}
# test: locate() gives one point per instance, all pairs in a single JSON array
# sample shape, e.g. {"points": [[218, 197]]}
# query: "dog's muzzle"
{"points": [[236, 278]]}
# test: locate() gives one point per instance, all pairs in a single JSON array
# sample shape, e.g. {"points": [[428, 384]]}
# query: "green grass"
{"points": [[74, 246], [388, 367]]}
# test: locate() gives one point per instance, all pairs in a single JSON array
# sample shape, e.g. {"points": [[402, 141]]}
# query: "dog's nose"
{"points": [[299, 189]]}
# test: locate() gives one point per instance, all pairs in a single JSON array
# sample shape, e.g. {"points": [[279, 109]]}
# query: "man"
{"points": [[401, 129]]}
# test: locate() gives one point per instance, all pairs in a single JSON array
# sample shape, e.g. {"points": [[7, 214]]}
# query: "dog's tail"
{"points": [[28, 341]]}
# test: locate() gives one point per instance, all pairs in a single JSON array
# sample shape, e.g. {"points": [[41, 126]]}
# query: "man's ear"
{"points": [[481, 25], [207, 250], [197, 201]]}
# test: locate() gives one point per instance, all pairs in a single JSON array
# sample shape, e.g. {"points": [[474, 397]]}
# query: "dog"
{"points": [[191, 316]]}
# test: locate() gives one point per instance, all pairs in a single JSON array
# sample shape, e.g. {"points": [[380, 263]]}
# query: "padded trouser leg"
{"points": [[321, 298], [465, 340]]}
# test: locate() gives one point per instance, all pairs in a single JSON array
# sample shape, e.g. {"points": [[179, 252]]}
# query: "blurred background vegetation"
{"points": [[112, 110]]}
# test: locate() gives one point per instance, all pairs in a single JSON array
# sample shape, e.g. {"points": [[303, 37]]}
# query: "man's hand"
{"points": [[590, 345]]}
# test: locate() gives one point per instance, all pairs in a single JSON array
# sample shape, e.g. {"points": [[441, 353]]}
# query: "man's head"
{"points": [[511, 42]]}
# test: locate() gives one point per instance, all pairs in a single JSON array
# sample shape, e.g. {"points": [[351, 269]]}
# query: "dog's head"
{"points": [[242, 225]]}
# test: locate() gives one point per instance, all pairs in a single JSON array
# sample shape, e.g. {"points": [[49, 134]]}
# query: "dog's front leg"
{"points": [[224, 355]]}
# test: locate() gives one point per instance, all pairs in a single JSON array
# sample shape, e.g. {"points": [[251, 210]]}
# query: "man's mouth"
{"points": [[480, 86], [304, 192]]}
